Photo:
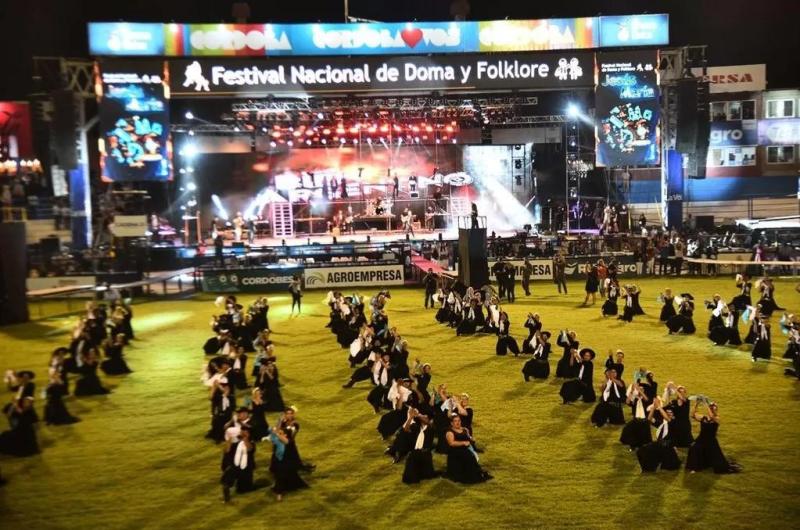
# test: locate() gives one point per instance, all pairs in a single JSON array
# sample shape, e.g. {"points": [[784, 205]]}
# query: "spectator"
{"points": [[677, 263]]}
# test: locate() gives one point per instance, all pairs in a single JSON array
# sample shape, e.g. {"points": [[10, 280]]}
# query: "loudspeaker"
{"points": [[49, 245], [703, 128], [704, 222], [686, 138], [13, 271], [64, 124], [473, 264]]}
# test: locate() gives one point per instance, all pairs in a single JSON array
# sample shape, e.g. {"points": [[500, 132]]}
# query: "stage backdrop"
{"points": [[312, 179]]}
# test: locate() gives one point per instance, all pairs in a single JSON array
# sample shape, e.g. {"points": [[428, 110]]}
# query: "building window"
{"points": [[780, 108], [731, 157], [780, 154], [733, 110]]}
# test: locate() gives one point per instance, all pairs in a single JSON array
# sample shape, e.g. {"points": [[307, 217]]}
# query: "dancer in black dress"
{"points": [[55, 412], [534, 325], [462, 459], [505, 342], [678, 403], [762, 345], [742, 301], [682, 322], [717, 308], [612, 291], [636, 432], [582, 386], [791, 328], [628, 310], [609, 408], [728, 332], [286, 463], [89, 384], [259, 427], [618, 363], [659, 453], [223, 403], [705, 452], [767, 302], [20, 439], [668, 309], [538, 366], [269, 383], [635, 292], [115, 361], [419, 463], [238, 464], [592, 283], [568, 340]]}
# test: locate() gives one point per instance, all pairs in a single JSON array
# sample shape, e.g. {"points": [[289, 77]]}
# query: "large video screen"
{"points": [[134, 121], [627, 108]]}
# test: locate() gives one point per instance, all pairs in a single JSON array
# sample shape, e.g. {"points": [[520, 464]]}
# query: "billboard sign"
{"points": [[250, 280], [627, 108], [134, 121], [784, 131], [740, 78], [126, 38], [634, 30], [334, 277], [376, 38], [733, 133], [260, 77]]}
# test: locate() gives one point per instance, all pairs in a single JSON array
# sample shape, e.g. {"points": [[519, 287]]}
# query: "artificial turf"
{"points": [[138, 458]]}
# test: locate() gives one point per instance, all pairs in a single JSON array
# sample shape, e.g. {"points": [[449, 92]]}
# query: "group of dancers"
{"points": [[240, 429], [416, 420], [101, 327]]}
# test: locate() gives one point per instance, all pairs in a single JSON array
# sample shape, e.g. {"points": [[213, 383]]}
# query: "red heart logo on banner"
{"points": [[411, 36]]}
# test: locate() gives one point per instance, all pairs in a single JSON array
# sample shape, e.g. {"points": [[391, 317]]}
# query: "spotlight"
{"points": [[454, 140], [326, 131], [572, 110], [273, 144], [189, 115], [191, 133], [191, 186], [324, 141], [355, 141], [308, 142], [320, 116], [342, 140], [416, 139], [369, 141], [290, 143], [263, 129], [189, 150]]}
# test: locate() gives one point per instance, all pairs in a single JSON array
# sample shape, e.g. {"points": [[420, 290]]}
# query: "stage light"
{"points": [[326, 131], [572, 110], [340, 130], [397, 127], [320, 116], [189, 169], [308, 142], [438, 141], [384, 128], [372, 129], [342, 140], [276, 134], [310, 132], [290, 143], [369, 141], [449, 128], [189, 150], [235, 128], [429, 128], [454, 140], [189, 115], [354, 130], [273, 144], [191, 186], [416, 139], [263, 129], [355, 141], [324, 141], [191, 133], [296, 134], [181, 171]]}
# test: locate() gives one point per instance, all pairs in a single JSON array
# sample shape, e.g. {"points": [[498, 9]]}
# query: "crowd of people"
{"points": [[416, 418], [240, 429], [97, 343]]}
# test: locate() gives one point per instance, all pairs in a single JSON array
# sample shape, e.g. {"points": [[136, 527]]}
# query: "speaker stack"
{"points": [[13, 272]]}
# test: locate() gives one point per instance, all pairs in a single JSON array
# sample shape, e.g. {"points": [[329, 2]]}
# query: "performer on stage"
{"points": [[238, 226], [407, 219], [474, 216]]}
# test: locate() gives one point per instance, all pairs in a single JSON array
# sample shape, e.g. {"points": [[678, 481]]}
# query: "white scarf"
{"points": [[629, 300], [764, 332], [607, 391], [420, 437], [639, 414], [380, 375], [718, 310], [237, 364], [580, 372], [663, 430], [495, 315], [729, 321], [355, 347], [240, 458], [537, 353], [225, 402], [471, 313]]}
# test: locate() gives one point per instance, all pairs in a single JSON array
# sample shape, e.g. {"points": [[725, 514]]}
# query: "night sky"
{"points": [[737, 31]]}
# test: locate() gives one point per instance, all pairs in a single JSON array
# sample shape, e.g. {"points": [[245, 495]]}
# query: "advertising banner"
{"points": [[376, 38], [534, 35], [740, 78], [542, 268], [250, 280], [626, 267], [260, 77], [134, 121], [733, 133], [627, 108], [334, 277], [783, 131], [634, 30], [126, 38]]}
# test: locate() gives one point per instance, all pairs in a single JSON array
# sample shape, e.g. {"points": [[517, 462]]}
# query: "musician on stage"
{"points": [[396, 189], [238, 225], [429, 218], [474, 216], [407, 219]]}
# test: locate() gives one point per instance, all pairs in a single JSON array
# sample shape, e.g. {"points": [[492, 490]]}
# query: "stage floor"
{"points": [[358, 237]]}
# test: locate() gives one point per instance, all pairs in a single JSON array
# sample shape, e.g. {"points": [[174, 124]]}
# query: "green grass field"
{"points": [[138, 459]]}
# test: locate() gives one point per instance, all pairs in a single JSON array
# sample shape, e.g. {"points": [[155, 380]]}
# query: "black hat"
{"points": [[26, 373], [687, 296], [242, 409], [546, 334], [587, 350]]}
